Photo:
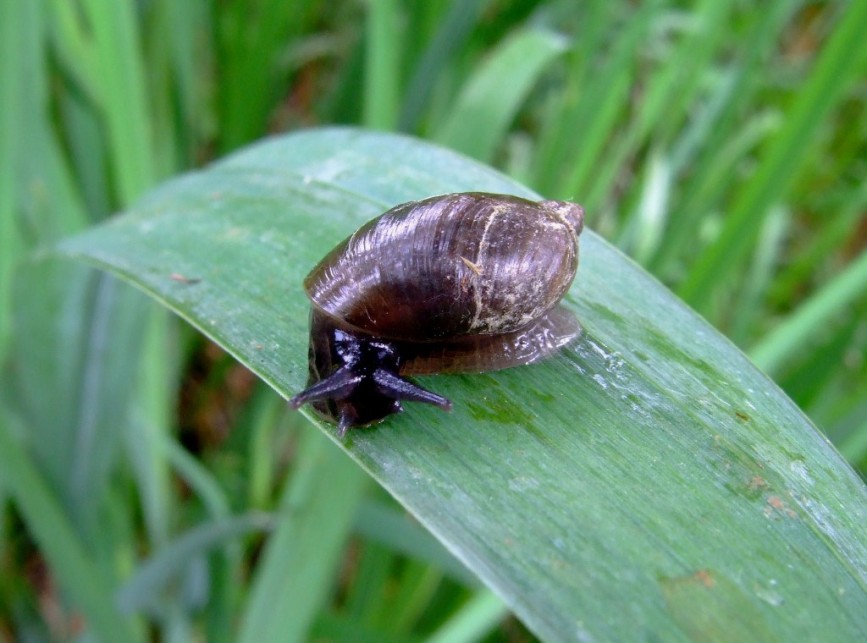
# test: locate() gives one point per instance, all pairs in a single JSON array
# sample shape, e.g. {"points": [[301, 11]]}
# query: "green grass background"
{"points": [[720, 143]]}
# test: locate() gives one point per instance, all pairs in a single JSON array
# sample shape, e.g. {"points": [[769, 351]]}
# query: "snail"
{"points": [[465, 282]]}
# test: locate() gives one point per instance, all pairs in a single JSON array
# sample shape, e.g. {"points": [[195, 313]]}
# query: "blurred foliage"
{"points": [[720, 143]]}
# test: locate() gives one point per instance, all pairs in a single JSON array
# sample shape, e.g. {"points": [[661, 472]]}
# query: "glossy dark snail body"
{"points": [[457, 283]]}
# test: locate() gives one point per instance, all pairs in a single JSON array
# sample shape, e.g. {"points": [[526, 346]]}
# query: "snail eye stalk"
{"points": [[398, 388], [338, 386]]}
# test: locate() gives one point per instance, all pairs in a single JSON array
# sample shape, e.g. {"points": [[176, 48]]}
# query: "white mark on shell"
{"points": [[480, 261]]}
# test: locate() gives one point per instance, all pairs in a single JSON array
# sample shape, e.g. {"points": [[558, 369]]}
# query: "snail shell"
{"points": [[464, 282]]}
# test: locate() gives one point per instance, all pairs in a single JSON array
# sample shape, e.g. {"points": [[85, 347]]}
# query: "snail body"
{"points": [[465, 282]]}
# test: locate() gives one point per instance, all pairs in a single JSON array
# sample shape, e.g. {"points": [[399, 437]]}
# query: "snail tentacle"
{"points": [[338, 386], [398, 388]]}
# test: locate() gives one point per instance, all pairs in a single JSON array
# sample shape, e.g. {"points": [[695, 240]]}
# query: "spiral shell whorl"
{"points": [[451, 265]]}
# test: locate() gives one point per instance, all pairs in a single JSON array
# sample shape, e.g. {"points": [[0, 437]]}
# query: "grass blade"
{"points": [[299, 561], [120, 68], [168, 565], [473, 622], [841, 59], [71, 325], [487, 105], [382, 78], [78, 575], [17, 36], [789, 337], [731, 131], [451, 34]]}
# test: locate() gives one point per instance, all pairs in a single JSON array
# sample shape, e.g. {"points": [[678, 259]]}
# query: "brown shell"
{"points": [[451, 266]]}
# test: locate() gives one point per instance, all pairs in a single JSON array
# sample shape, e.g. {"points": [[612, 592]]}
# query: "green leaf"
{"points": [[647, 482]]}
